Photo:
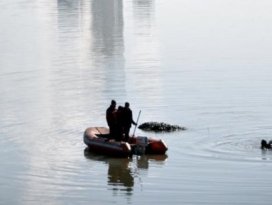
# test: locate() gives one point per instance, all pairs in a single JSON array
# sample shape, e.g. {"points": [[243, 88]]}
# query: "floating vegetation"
{"points": [[160, 127]]}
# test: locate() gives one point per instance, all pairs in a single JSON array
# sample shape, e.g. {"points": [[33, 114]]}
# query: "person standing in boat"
{"points": [[119, 123], [111, 118], [127, 120]]}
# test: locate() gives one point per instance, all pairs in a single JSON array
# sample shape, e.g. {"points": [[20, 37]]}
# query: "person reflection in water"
{"points": [[111, 118], [127, 120], [119, 123], [119, 173]]}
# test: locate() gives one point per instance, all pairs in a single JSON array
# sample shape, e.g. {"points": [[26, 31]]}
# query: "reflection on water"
{"points": [[69, 13], [144, 160], [143, 9], [119, 173], [122, 171], [89, 60], [178, 61], [107, 28], [107, 46], [267, 155], [143, 56]]}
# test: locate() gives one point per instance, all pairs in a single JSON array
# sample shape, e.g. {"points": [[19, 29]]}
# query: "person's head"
{"points": [[126, 105], [113, 103]]}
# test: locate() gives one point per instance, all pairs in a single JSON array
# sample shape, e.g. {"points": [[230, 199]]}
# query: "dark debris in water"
{"points": [[160, 127]]}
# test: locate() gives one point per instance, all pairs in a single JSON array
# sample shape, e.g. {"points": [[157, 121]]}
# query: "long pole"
{"points": [[137, 122]]}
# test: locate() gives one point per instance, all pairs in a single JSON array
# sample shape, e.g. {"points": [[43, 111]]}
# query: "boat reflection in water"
{"points": [[121, 171], [143, 161]]}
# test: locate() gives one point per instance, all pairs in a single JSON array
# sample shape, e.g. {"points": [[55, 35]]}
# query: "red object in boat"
{"points": [[153, 146], [97, 139]]}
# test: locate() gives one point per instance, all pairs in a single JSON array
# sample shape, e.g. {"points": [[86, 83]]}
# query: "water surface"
{"points": [[204, 65]]}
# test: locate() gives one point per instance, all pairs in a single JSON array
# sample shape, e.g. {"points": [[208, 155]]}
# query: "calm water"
{"points": [[205, 65]]}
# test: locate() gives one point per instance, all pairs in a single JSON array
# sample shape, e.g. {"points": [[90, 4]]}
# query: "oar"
{"points": [[98, 130], [137, 122]]}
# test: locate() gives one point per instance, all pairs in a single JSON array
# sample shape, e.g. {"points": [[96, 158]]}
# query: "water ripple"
{"points": [[234, 147]]}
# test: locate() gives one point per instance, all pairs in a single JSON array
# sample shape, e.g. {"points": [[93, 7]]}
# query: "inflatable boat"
{"points": [[98, 140]]}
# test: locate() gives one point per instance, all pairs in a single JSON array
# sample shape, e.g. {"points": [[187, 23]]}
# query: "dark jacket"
{"points": [[127, 116], [110, 116]]}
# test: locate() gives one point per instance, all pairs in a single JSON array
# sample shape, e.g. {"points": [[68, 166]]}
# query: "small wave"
{"points": [[235, 147]]}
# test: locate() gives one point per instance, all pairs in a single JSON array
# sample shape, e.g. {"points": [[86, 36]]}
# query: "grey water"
{"points": [[205, 65]]}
